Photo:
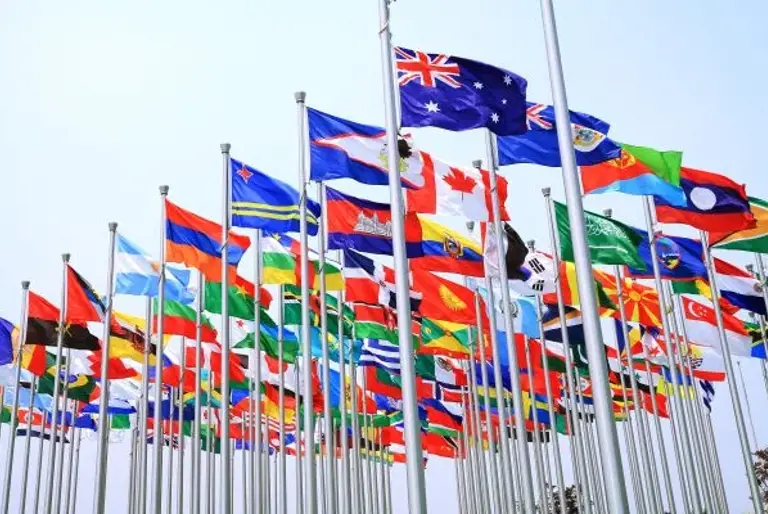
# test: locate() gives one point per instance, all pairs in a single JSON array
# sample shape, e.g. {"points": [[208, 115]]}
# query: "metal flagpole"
{"points": [[226, 220], [196, 439], [70, 464], [732, 389], [28, 440], [169, 477], [157, 437], [102, 445], [62, 328], [299, 452], [470, 449], [543, 492], [330, 462], [244, 464], [209, 447], [495, 487], [282, 501], [77, 469], [597, 472], [749, 409], [514, 367], [574, 385], [180, 451], [712, 448], [257, 372], [133, 477], [481, 459], [417, 498], [310, 504], [63, 429], [684, 480], [39, 474], [607, 436], [645, 452], [368, 490], [345, 497], [15, 403], [659, 435], [550, 400], [460, 494], [143, 411], [641, 502], [356, 505]]}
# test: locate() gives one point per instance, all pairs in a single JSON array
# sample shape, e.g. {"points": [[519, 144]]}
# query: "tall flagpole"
{"points": [[607, 436], [282, 499], [345, 498], [180, 451], [56, 387], [537, 458], [746, 455], [330, 460], [39, 474], [102, 447], [573, 384], [196, 440], [417, 499], [310, 503], [15, 405], [28, 443], [157, 436], [77, 470], [226, 220], [144, 411], [256, 498], [514, 366], [356, 503]]}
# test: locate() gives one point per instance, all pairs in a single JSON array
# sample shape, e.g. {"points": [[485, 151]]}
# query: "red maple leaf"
{"points": [[459, 181]]}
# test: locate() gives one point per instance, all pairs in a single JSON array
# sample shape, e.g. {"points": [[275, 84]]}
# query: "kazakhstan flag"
{"points": [[260, 201]]}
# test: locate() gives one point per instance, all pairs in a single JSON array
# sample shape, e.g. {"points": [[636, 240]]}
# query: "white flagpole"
{"points": [[180, 451], [356, 505], [345, 498], [157, 437], [28, 443], [282, 499], [746, 455], [258, 492], [196, 439], [39, 474], [481, 468], [417, 499], [543, 492], [330, 458], [144, 410], [514, 359], [226, 468], [607, 436], [70, 464], [310, 491], [56, 388], [102, 446], [15, 405], [169, 476], [77, 469]]}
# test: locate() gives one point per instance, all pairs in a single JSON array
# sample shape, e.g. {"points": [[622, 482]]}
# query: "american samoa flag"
{"points": [[453, 93]]}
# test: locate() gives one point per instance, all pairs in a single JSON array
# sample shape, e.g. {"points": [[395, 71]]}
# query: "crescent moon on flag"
{"points": [[691, 309]]}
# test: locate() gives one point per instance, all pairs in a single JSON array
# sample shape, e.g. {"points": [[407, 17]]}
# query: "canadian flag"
{"points": [[701, 325], [455, 191]]}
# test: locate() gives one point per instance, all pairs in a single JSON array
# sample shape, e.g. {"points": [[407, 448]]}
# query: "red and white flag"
{"points": [[701, 324]]}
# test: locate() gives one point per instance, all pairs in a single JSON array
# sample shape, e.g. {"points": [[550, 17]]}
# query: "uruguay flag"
{"points": [[136, 273], [539, 145]]}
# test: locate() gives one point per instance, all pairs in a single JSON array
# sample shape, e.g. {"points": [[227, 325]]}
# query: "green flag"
{"points": [[749, 240], [610, 242], [292, 311], [240, 301], [665, 165]]}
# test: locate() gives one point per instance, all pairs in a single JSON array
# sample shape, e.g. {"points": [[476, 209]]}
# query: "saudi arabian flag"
{"points": [[750, 240], [610, 242]]}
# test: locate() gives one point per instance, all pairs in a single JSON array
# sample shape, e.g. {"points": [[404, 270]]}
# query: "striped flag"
{"points": [[381, 354]]}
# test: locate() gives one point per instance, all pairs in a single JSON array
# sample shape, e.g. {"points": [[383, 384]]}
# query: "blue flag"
{"points": [[679, 258], [539, 145], [453, 93], [6, 341], [341, 148], [260, 201]]}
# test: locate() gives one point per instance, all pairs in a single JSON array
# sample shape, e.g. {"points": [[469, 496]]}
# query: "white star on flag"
{"points": [[478, 85], [432, 107], [504, 101], [495, 117], [507, 80]]}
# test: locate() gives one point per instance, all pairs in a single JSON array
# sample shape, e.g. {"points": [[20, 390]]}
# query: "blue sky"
{"points": [[104, 101]]}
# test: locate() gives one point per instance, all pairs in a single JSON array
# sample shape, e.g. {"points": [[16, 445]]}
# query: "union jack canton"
{"points": [[453, 93]]}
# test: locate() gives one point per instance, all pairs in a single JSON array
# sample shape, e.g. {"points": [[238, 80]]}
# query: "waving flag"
{"points": [[262, 202], [739, 287], [366, 226], [750, 240], [445, 300], [641, 303], [680, 258], [715, 203], [281, 261], [381, 354], [453, 93], [7, 333], [539, 144], [445, 250], [455, 191], [43, 327], [701, 326], [137, 273], [341, 148], [629, 174], [196, 242], [367, 281]]}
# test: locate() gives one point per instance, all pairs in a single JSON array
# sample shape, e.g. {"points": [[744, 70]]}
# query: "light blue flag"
{"points": [[136, 273], [43, 402], [526, 321]]}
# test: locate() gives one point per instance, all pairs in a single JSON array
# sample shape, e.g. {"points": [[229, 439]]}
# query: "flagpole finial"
{"points": [[531, 243], [750, 268], [300, 96], [225, 147], [65, 257], [470, 226], [546, 191], [607, 213], [112, 226], [164, 190], [25, 284], [477, 163]]}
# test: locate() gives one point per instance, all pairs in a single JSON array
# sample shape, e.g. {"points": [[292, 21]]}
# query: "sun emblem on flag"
{"points": [[450, 299], [453, 247]]}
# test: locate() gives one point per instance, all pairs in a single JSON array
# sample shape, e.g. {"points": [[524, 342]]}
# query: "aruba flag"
{"points": [[196, 242]]}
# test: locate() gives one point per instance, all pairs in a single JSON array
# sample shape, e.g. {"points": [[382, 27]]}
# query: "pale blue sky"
{"points": [[104, 101]]}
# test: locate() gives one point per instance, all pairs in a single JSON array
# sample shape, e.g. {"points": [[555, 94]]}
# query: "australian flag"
{"points": [[539, 145], [439, 90]]}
